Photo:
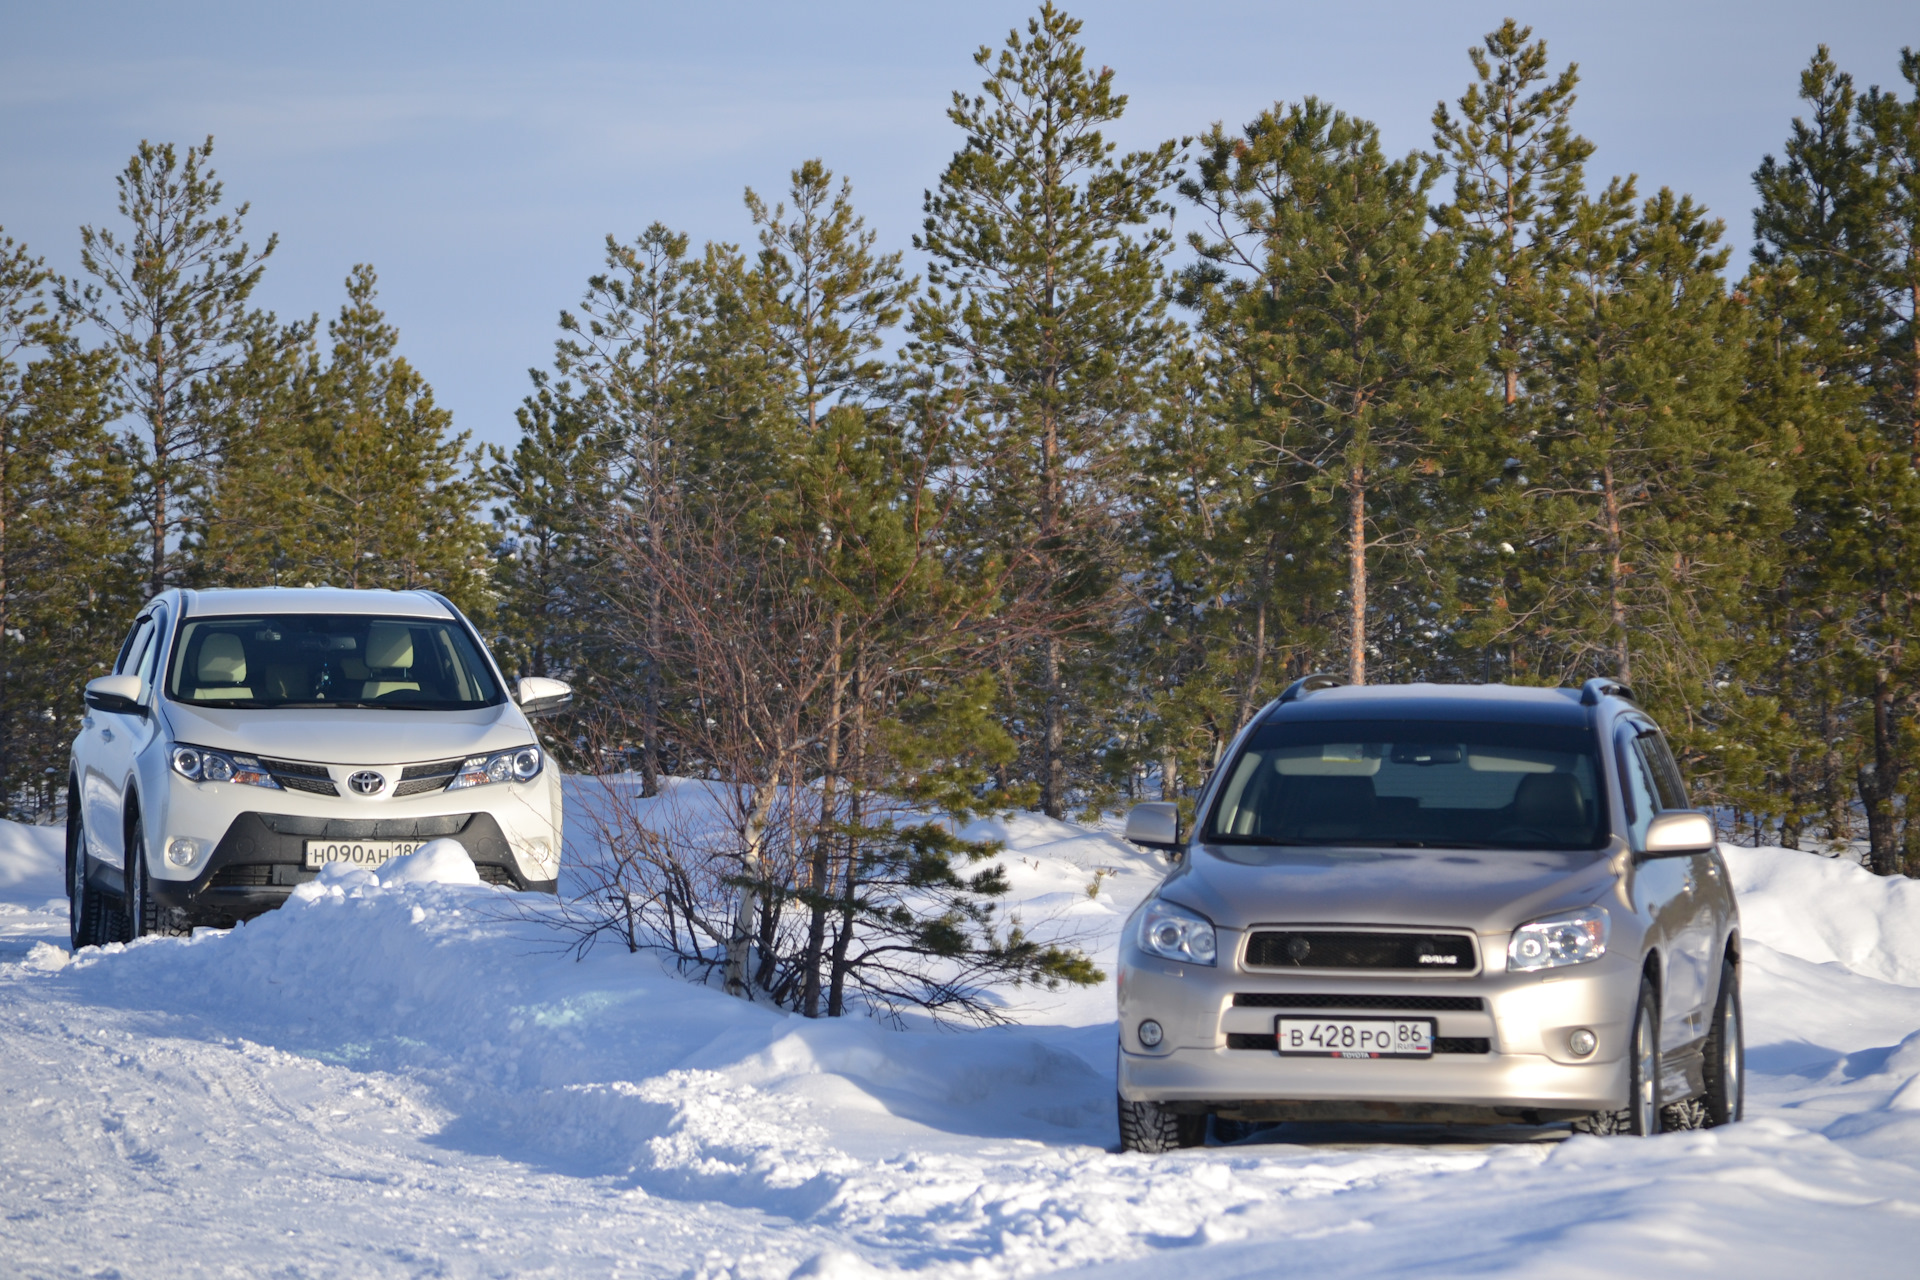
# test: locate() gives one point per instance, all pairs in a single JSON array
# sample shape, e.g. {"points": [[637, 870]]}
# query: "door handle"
{"points": [[106, 735]]}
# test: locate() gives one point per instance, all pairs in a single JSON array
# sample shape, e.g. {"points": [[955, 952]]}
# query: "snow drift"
{"points": [[407, 1071]]}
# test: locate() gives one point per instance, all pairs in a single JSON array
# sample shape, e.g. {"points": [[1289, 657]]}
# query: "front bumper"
{"points": [[1255, 1085], [262, 858], [252, 840], [1503, 1041]]}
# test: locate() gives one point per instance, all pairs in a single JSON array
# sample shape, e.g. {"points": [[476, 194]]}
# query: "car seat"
{"points": [[220, 670], [1552, 804], [389, 660]]}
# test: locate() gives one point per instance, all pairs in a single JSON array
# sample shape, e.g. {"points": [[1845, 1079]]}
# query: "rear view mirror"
{"points": [[539, 696], [1154, 826], [119, 694], [1679, 831]]}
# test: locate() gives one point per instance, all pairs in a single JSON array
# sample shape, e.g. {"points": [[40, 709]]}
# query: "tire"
{"points": [[1149, 1128], [87, 914], [1726, 1067], [1641, 1116], [146, 918]]}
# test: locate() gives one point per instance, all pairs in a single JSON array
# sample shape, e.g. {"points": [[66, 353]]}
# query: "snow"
{"points": [[405, 1073]]}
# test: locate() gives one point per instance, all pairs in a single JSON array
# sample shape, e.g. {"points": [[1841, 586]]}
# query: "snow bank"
{"points": [[1829, 911], [486, 1103], [32, 863]]}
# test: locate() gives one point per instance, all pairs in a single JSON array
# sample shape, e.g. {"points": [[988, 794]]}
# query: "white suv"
{"points": [[247, 738]]}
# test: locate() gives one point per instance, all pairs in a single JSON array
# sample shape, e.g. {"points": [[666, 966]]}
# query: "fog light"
{"points": [[1583, 1042], [1150, 1034], [181, 851]]}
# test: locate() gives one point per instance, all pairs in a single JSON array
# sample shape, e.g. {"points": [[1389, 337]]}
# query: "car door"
{"points": [[109, 742], [1662, 887], [1698, 942]]}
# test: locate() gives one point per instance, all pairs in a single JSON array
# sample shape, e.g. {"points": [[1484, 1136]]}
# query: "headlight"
{"points": [[522, 764], [1570, 937], [1176, 933], [201, 765]]}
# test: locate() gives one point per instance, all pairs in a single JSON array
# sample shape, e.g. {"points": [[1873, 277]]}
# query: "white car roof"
{"points": [[253, 601]]}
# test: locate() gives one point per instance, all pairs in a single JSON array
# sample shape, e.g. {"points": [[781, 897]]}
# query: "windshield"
{"points": [[1410, 783], [329, 660]]}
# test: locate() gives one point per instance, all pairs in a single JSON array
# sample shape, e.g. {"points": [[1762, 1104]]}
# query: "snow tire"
{"points": [[146, 918], [89, 920], [1149, 1128], [1726, 1066]]}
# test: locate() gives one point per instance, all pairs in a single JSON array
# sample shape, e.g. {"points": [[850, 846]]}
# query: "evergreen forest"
{"points": [[1150, 436]]}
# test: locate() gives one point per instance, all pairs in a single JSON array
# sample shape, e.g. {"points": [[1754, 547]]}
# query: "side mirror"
{"points": [[1154, 826], [1679, 831], [119, 694], [539, 696]]}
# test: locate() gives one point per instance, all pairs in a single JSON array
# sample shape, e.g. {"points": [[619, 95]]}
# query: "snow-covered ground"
{"points": [[400, 1080]]}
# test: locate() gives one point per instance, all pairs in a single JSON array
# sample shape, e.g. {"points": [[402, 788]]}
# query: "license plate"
{"points": [[1355, 1037], [357, 853]]}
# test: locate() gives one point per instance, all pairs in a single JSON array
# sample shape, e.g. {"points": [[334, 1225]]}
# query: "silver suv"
{"points": [[1458, 904]]}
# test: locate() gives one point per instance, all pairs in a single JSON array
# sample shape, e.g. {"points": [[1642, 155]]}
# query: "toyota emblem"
{"points": [[366, 783]]}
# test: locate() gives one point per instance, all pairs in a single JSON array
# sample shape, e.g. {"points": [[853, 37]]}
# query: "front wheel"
{"points": [[1726, 1066], [87, 916], [1641, 1116], [1149, 1128]]}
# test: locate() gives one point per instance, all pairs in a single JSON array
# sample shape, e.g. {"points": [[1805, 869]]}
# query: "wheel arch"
{"points": [[130, 813]]}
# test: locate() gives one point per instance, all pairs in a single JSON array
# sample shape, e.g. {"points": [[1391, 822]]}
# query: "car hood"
{"points": [[1482, 890], [351, 735]]}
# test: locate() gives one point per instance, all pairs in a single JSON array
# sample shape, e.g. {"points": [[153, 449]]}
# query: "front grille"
{"points": [[493, 874], [1350, 1000], [1447, 953], [417, 779], [297, 776], [1441, 1044], [245, 876]]}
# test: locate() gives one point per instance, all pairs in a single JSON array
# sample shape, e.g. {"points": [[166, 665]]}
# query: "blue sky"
{"points": [[477, 154]]}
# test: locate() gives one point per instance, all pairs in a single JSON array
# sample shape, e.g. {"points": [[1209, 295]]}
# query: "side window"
{"points": [[130, 649], [1666, 771], [156, 641], [1637, 785]]}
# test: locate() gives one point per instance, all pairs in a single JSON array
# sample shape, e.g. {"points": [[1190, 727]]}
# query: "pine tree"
{"points": [[1046, 270], [1652, 490], [554, 490], [1835, 228], [68, 575], [391, 496], [641, 348], [823, 296], [171, 298], [1354, 325]]}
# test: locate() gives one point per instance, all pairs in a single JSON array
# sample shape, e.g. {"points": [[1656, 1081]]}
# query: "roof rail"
{"points": [[1603, 687], [1310, 684]]}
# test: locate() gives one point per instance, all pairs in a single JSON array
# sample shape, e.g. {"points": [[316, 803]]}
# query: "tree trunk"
{"points": [[819, 881], [1616, 571], [753, 872], [1169, 775], [1839, 818], [850, 896], [1250, 693], [1879, 782], [1357, 575], [1053, 784]]}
